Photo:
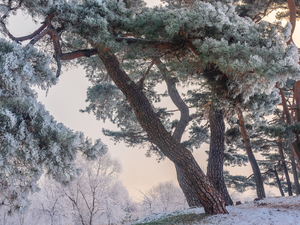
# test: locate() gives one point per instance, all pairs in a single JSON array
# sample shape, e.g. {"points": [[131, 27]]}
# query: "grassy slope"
{"points": [[186, 217], [275, 211]]}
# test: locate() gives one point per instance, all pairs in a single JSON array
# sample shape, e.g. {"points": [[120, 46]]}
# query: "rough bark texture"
{"points": [[295, 175], [286, 173], [256, 171], [297, 98], [297, 117], [180, 156], [179, 130], [216, 153], [292, 157], [216, 156], [187, 190]]}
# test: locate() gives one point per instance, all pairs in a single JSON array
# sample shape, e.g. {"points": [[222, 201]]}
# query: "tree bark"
{"points": [[256, 171], [278, 181], [179, 130], [292, 156], [295, 175], [179, 155], [297, 117], [286, 173], [188, 191], [297, 98], [216, 153]]}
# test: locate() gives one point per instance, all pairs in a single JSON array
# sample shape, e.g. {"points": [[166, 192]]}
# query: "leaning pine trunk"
{"points": [[256, 171], [179, 155], [190, 196], [216, 153], [288, 181], [278, 181]]}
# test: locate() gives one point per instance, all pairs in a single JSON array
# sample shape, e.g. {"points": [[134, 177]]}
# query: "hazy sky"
{"points": [[66, 99]]}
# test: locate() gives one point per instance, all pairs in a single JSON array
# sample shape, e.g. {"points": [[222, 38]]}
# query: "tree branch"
{"points": [[78, 54], [30, 36], [274, 160], [10, 8], [155, 44], [263, 14], [292, 9], [39, 36], [141, 81], [177, 100]]}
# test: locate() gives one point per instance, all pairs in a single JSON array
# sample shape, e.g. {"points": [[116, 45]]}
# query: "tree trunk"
{"points": [[297, 117], [215, 161], [216, 153], [286, 173], [179, 155], [179, 130], [188, 191], [278, 181], [256, 171], [294, 169], [289, 120], [297, 98]]}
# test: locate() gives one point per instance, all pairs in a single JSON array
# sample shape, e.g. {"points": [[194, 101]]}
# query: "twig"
{"points": [[141, 81]]}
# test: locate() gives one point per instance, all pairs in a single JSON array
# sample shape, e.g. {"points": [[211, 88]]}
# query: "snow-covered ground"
{"points": [[280, 210], [269, 211]]}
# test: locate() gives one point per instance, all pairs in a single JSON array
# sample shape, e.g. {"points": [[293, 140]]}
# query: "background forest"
{"points": [[232, 77]]}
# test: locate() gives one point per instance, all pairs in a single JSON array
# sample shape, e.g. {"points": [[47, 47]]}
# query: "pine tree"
{"points": [[32, 142], [209, 39]]}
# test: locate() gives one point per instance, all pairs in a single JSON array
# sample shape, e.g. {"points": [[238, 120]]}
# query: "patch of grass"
{"points": [[181, 219]]}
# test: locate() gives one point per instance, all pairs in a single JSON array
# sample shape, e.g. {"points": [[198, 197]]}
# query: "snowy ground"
{"points": [[270, 211]]}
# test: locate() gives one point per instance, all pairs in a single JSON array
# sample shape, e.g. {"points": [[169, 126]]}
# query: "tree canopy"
{"points": [[238, 60]]}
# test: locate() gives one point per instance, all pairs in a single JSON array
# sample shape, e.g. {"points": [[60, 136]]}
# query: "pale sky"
{"points": [[66, 99]]}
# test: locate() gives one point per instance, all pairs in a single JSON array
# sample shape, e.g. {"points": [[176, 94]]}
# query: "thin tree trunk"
{"points": [[216, 153], [294, 169], [278, 181], [256, 171], [297, 98], [292, 158], [286, 173], [179, 155], [297, 117], [179, 130]]}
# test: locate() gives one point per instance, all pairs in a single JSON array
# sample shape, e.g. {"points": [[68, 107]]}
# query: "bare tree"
{"points": [[164, 197], [49, 206], [96, 195]]}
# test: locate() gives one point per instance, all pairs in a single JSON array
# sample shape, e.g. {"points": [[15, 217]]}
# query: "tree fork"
{"points": [[179, 155], [179, 130]]}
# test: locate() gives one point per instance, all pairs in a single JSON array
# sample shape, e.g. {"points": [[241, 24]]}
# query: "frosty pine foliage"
{"points": [[211, 42], [32, 142]]}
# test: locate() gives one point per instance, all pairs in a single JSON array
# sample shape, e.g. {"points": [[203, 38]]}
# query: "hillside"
{"points": [[269, 211]]}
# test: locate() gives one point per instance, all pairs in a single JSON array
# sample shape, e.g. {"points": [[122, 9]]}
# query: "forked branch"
{"points": [[30, 36]]}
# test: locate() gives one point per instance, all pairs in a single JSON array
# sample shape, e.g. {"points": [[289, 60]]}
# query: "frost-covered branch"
{"points": [[31, 36]]}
